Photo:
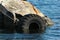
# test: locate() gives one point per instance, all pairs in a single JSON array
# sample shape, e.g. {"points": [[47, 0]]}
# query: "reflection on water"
{"points": [[21, 36], [51, 8]]}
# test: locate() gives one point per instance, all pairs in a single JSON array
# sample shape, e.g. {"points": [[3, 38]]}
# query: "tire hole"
{"points": [[34, 28]]}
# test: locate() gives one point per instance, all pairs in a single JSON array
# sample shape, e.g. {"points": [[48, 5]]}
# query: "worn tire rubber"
{"points": [[31, 23], [6, 24], [1, 20], [9, 23]]}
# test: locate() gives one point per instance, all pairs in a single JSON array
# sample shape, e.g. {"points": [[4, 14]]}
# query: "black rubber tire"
{"points": [[31, 24], [6, 24], [9, 25], [1, 20]]}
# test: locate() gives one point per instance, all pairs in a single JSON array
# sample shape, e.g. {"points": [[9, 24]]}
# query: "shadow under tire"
{"points": [[31, 23]]}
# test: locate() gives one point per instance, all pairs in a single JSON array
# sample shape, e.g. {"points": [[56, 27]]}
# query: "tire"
{"points": [[1, 21], [9, 25], [6, 24], [31, 24]]}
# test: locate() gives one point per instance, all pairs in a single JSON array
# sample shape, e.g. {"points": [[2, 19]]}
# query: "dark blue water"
{"points": [[51, 8]]}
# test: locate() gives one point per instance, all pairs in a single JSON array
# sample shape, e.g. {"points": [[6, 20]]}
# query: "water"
{"points": [[51, 8]]}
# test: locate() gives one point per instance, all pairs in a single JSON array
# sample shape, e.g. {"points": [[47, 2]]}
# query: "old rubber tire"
{"points": [[31, 24], [1, 21], [6, 24], [9, 25]]}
